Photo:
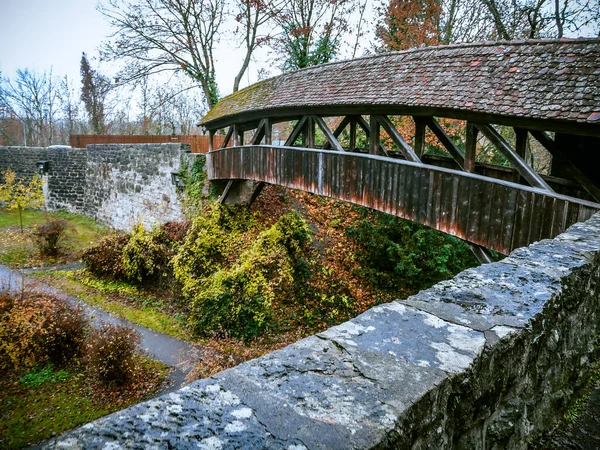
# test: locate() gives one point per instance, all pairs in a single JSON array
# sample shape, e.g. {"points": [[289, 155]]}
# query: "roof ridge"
{"points": [[479, 44]]}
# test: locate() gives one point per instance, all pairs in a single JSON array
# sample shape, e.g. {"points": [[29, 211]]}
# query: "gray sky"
{"points": [[40, 34], [44, 34]]}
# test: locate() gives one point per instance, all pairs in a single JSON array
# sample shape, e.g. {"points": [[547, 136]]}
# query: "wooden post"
{"points": [[235, 136], [352, 135], [308, 137], [374, 136], [419, 136], [211, 135], [470, 147], [268, 131]]}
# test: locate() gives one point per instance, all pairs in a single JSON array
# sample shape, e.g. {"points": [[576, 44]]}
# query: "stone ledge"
{"points": [[488, 359]]}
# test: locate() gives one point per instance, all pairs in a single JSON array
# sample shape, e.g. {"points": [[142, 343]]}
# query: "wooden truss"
{"points": [[462, 156]]}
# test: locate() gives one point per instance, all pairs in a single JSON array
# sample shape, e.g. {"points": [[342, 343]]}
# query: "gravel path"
{"points": [[181, 356]]}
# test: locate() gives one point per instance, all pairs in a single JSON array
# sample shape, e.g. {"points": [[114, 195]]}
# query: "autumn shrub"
{"points": [[144, 258], [48, 236], [111, 351], [236, 300], [105, 258], [398, 252], [38, 328]]}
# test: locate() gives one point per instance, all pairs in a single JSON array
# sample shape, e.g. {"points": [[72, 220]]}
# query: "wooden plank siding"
{"points": [[496, 214], [197, 143]]}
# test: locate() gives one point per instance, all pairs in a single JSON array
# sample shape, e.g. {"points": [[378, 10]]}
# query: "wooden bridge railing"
{"points": [[491, 213]]}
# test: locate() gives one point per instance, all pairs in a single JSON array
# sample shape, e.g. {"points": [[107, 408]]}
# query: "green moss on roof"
{"points": [[241, 100]]}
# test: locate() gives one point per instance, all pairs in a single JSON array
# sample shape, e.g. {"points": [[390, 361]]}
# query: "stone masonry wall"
{"points": [[487, 360], [117, 185], [127, 183], [66, 177]]}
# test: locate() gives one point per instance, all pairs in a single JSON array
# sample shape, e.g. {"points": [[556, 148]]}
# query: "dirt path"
{"points": [[178, 354]]}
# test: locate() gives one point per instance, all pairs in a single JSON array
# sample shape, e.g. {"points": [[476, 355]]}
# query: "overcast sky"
{"points": [[44, 34]]}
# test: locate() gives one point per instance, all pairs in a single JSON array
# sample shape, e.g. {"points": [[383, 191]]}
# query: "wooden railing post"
{"points": [[470, 147]]}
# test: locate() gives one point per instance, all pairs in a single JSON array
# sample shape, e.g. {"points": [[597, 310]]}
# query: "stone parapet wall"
{"points": [[117, 184], [127, 183], [487, 360]]}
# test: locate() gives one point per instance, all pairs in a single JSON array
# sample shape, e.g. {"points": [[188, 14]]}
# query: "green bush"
{"points": [[144, 257], [395, 252], [235, 300], [139, 256]]}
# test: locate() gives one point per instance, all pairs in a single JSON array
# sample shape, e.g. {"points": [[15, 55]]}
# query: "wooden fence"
{"points": [[198, 144]]}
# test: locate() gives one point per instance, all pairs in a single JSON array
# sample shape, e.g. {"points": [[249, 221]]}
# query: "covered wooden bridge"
{"points": [[345, 142]]}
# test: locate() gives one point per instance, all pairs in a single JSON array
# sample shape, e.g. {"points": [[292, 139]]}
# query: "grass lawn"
{"points": [[119, 298], [44, 402], [17, 249]]}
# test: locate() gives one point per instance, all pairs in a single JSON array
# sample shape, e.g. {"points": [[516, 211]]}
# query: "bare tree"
{"points": [[311, 30], [464, 21], [252, 17], [95, 88], [155, 36], [32, 98], [70, 108]]}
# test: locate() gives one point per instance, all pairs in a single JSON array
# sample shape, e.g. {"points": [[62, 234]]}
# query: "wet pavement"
{"points": [[181, 356]]}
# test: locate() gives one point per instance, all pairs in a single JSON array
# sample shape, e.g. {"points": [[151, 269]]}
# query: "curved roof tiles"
{"points": [[544, 80]]}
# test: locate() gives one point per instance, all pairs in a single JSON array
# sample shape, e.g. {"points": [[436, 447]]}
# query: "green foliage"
{"points": [[143, 256], [49, 235], [18, 194], [195, 179], [301, 52], [395, 251], [140, 256], [41, 375], [235, 300]]}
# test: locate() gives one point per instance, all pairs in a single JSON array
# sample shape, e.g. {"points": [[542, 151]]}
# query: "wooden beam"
{"points": [[226, 191], [470, 147], [227, 137], [524, 169], [338, 130], [257, 190], [363, 124], [327, 132], [419, 136], [521, 149], [259, 134], [295, 132], [439, 132], [236, 136], [544, 138], [482, 254], [308, 137], [390, 129]]}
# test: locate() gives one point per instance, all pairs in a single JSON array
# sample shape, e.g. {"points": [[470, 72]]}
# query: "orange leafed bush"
{"points": [[38, 328]]}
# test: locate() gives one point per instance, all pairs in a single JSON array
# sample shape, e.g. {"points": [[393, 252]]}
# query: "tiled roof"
{"points": [[557, 80]]}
